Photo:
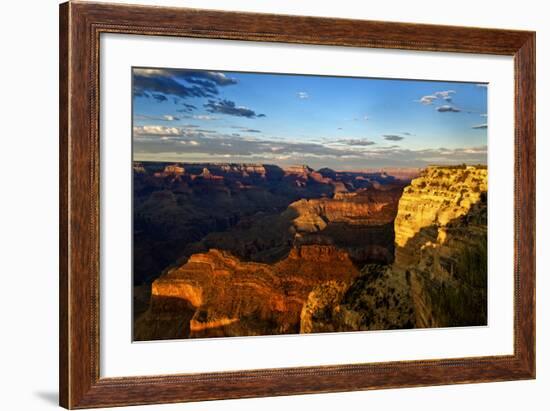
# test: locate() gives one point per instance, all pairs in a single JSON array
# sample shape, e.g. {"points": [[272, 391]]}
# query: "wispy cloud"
{"points": [[427, 100], [230, 108], [446, 95], [152, 131], [193, 145], [355, 142], [393, 137], [188, 108], [480, 126], [448, 109], [165, 117], [204, 117], [246, 129], [302, 95]]}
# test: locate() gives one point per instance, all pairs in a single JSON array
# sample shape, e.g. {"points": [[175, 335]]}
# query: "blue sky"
{"points": [[337, 122]]}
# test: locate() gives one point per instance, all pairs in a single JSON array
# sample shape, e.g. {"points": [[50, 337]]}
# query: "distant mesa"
{"points": [[327, 172], [174, 169], [138, 168]]}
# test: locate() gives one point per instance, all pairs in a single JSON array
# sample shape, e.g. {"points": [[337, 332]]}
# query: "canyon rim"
{"points": [[269, 204]]}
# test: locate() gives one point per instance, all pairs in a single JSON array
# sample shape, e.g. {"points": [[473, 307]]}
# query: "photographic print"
{"points": [[268, 204]]}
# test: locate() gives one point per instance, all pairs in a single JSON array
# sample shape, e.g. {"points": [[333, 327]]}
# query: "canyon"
{"points": [[226, 250]]}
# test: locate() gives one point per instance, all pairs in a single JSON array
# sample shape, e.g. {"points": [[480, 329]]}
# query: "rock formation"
{"points": [[441, 244], [230, 297], [360, 222], [255, 250], [378, 299], [439, 276]]}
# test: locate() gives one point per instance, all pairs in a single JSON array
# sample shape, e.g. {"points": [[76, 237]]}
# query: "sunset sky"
{"points": [[337, 122]]}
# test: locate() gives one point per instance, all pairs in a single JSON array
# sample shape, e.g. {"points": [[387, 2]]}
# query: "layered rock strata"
{"points": [[230, 297], [439, 276], [327, 264]]}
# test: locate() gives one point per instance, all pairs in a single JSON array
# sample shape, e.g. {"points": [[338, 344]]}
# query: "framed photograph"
{"points": [[259, 205]]}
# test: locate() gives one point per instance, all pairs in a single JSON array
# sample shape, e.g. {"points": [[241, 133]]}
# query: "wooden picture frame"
{"points": [[80, 27]]}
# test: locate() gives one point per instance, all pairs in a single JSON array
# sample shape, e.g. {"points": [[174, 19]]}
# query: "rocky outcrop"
{"points": [[360, 223], [439, 276], [378, 299], [231, 297], [364, 207], [437, 196], [449, 277], [441, 245]]}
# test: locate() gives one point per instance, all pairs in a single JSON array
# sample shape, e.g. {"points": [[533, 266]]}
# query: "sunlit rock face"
{"points": [[231, 297], [438, 196], [441, 245]]}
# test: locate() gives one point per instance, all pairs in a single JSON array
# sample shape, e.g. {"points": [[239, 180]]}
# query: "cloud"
{"points": [[204, 117], [246, 129], [165, 117], [162, 83], [445, 95], [480, 126], [427, 100], [187, 108], [447, 109], [302, 95], [213, 76], [483, 115], [184, 145], [406, 133], [355, 142], [157, 131], [392, 137], [159, 97], [230, 108]]}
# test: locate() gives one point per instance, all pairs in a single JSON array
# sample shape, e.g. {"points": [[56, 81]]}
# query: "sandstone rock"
{"points": [[439, 195], [232, 297], [441, 245]]}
